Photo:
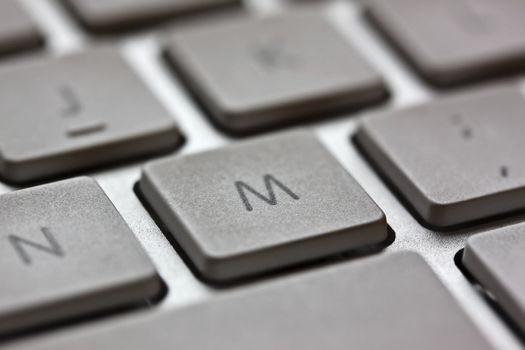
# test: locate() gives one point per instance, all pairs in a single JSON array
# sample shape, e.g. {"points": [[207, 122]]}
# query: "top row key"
{"points": [[455, 41], [18, 32], [106, 16]]}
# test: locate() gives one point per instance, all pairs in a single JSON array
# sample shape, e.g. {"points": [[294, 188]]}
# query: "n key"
{"points": [[261, 205], [65, 252]]}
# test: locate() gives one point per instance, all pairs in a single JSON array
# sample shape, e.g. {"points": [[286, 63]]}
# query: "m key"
{"points": [[66, 252], [261, 205]]}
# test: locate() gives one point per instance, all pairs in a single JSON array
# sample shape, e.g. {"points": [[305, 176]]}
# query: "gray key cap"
{"points": [[272, 70], [261, 205], [453, 41], [496, 261], [106, 16], [17, 30], [64, 114], [65, 251], [387, 302], [455, 160]]}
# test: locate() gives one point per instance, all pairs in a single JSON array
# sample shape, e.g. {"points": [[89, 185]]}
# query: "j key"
{"points": [[272, 70], [496, 260], [457, 159], [17, 30], [106, 16], [261, 205], [65, 252], [386, 302], [453, 41], [64, 114]]}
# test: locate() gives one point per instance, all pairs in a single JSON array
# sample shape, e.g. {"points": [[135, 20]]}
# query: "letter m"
{"points": [[270, 198]]}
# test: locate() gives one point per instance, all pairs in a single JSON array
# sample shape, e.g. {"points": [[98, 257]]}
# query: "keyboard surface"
{"points": [[133, 98]]}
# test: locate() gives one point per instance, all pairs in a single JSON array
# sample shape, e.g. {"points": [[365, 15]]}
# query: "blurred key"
{"points": [[70, 113], [18, 32], [106, 16], [496, 261], [457, 159], [453, 41], [260, 205], [385, 302], [66, 252], [255, 73]]}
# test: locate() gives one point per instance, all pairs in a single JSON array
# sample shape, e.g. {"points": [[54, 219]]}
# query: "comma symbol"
{"points": [[504, 171]]}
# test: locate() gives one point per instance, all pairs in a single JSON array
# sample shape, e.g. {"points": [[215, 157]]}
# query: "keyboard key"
{"points": [[260, 205], [107, 16], [65, 252], [496, 259], [455, 160], [272, 70], [386, 302], [18, 32], [454, 41], [79, 111]]}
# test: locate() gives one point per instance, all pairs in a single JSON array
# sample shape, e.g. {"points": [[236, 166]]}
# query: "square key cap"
{"points": [[457, 159], [453, 41], [260, 205], [107, 16], [65, 114], [17, 29], [496, 259], [66, 252], [259, 72]]}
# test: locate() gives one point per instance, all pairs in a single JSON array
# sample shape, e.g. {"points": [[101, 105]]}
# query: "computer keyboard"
{"points": [[279, 174]]}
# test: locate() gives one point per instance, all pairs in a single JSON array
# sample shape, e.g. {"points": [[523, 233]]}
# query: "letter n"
{"points": [[21, 245]]}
